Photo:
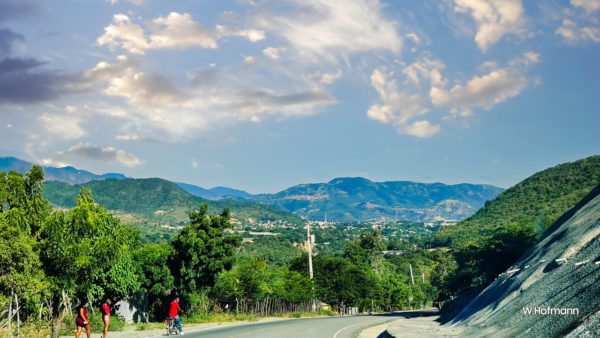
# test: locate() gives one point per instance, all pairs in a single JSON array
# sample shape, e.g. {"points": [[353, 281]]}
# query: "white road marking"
{"points": [[349, 326]]}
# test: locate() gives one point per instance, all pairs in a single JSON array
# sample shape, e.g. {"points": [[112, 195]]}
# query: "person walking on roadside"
{"points": [[174, 313], [105, 309], [82, 321]]}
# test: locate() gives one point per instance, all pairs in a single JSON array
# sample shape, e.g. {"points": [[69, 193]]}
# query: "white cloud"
{"points": [[176, 30], [329, 78], [272, 53], [330, 30], [487, 90], [421, 129], [53, 163], [399, 108], [62, 126], [125, 34], [249, 60], [156, 105], [135, 2], [195, 164], [253, 35], [425, 69], [70, 109], [146, 90], [414, 38], [590, 6], [494, 19], [425, 88], [129, 137], [571, 33], [180, 31], [109, 155]]}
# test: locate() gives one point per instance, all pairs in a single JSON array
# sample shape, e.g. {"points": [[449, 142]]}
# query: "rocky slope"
{"points": [[562, 272]]}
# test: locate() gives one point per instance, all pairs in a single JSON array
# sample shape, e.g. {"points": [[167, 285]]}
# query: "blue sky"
{"points": [[262, 95]]}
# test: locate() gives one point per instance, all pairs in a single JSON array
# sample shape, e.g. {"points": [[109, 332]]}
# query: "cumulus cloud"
{"points": [[272, 53], [332, 29], [588, 5], [494, 19], [108, 155], [176, 30], [156, 104], [66, 126], [425, 88], [125, 34], [572, 33], [249, 60], [180, 31], [329, 78], [488, 90], [397, 107]]}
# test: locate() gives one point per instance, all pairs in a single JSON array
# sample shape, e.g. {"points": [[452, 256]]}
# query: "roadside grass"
{"points": [[42, 329], [148, 326], [116, 324]]}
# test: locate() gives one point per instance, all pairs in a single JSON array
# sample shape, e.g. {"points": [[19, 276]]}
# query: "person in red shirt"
{"points": [[82, 321], [174, 313], [106, 316]]}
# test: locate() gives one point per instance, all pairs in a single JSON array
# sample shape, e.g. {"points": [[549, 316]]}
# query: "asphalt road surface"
{"points": [[335, 327]]}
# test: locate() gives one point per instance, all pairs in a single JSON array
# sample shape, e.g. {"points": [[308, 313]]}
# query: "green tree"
{"points": [[22, 200], [87, 252], [367, 249], [155, 276], [21, 271], [202, 250]]}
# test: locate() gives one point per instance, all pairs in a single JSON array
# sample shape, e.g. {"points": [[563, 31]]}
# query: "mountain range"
{"points": [[341, 199], [357, 198]]}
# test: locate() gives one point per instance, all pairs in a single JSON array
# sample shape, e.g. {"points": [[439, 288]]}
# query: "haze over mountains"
{"points": [[341, 199]]}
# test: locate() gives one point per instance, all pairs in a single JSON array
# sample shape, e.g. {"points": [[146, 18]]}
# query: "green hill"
{"points": [[538, 200], [159, 202]]}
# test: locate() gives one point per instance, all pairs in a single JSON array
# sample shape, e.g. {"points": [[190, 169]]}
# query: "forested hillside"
{"points": [[158, 201], [495, 237], [538, 200]]}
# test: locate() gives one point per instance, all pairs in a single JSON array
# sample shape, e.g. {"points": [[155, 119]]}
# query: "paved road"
{"points": [[335, 327]]}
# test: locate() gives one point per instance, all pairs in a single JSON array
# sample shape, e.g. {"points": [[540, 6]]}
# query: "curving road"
{"points": [[335, 327]]}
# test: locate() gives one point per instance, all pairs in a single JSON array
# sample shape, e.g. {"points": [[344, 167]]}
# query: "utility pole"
{"points": [[412, 277], [309, 248], [423, 277]]}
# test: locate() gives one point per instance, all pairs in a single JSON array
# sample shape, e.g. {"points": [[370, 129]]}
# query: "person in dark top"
{"points": [[106, 317], [82, 321], [174, 313]]}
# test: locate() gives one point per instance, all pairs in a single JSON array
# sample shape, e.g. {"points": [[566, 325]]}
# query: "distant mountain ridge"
{"points": [[67, 174], [341, 199], [358, 199], [73, 175], [214, 193]]}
